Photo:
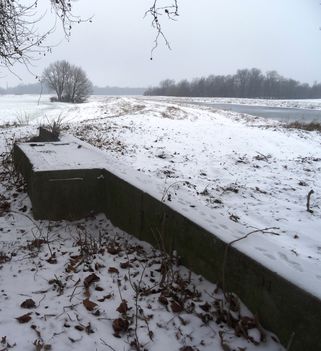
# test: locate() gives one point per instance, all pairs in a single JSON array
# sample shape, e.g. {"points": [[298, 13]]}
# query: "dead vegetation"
{"points": [[173, 112], [310, 126]]}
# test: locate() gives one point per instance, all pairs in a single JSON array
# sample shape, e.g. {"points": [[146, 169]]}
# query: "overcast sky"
{"points": [[210, 37]]}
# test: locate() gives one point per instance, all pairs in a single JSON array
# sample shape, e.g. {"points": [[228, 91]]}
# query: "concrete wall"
{"points": [[281, 306]]}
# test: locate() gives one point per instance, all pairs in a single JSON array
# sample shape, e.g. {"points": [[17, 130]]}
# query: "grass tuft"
{"points": [[312, 126]]}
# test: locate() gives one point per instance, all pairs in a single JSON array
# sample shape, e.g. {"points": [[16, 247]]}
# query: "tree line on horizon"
{"points": [[38, 88], [245, 83]]}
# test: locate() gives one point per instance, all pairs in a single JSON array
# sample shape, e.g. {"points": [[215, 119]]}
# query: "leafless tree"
{"points": [[246, 83], [68, 81], [21, 40], [55, 76], [78, 86]]}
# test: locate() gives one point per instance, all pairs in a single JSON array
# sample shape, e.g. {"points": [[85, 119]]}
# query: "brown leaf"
{"points": [[74, 261], [113, 249], [248, 322], [123, 307], [29, 303], [176, 307], [113, 270], [120, 325], [89, 304], [163, 300], [90, 279], [24, 318], [79, 327], [98, 266], [125, 265], [106, 297]]}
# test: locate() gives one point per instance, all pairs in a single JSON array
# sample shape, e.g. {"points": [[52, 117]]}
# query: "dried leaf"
{"points": [[113, 270], [125, 265], [176, 307], [123, 307], [120, 325], [29, 303], [106, 297], [79, 327], [24, 318], [163, 300], [113, 249], [90, 279], [89, 305]]}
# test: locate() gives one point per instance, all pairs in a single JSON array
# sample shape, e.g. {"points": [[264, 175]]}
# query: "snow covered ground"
{"points": [[310, 104], [86, 285], [24, 109], [247, 173], [244, 170]]}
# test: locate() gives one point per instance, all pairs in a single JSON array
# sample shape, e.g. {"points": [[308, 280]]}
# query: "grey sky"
{"points": [[210, 37]]}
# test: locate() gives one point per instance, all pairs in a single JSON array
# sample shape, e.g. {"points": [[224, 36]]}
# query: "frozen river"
{"points": [[279, 113]]}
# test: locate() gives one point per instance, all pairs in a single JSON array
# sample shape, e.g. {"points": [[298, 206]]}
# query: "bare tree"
{"points": [[68, 81], [21, 41], [247, 83], [55, 76], [78, 86]]}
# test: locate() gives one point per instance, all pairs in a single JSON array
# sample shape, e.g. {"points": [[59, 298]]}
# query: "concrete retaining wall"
{"points": [[281, 306]]}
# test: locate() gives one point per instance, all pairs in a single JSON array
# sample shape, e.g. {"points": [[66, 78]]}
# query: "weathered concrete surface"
{"points": [[73, 193]]}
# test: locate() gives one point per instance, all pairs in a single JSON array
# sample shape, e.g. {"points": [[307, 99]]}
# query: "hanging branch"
{"points": [[21, 41], [156, 11]]}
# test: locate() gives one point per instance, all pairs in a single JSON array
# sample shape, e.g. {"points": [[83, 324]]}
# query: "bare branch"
{"points": [[21, 41], [308, 201], [156, 11]]}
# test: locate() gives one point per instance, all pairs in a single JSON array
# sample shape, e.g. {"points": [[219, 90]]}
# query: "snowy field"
{"points": [[310, 104], [246, 173], [25, 109]]}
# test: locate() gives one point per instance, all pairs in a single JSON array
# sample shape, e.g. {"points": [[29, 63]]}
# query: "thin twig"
{"points": [[308, 201], [104, 343], [269, 230]]}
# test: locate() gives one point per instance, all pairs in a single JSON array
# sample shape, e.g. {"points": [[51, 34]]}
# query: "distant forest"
{"points": [[37, 89], [246, 83]]}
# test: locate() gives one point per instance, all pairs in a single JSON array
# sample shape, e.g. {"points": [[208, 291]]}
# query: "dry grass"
{"points": [[312, 126]]}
